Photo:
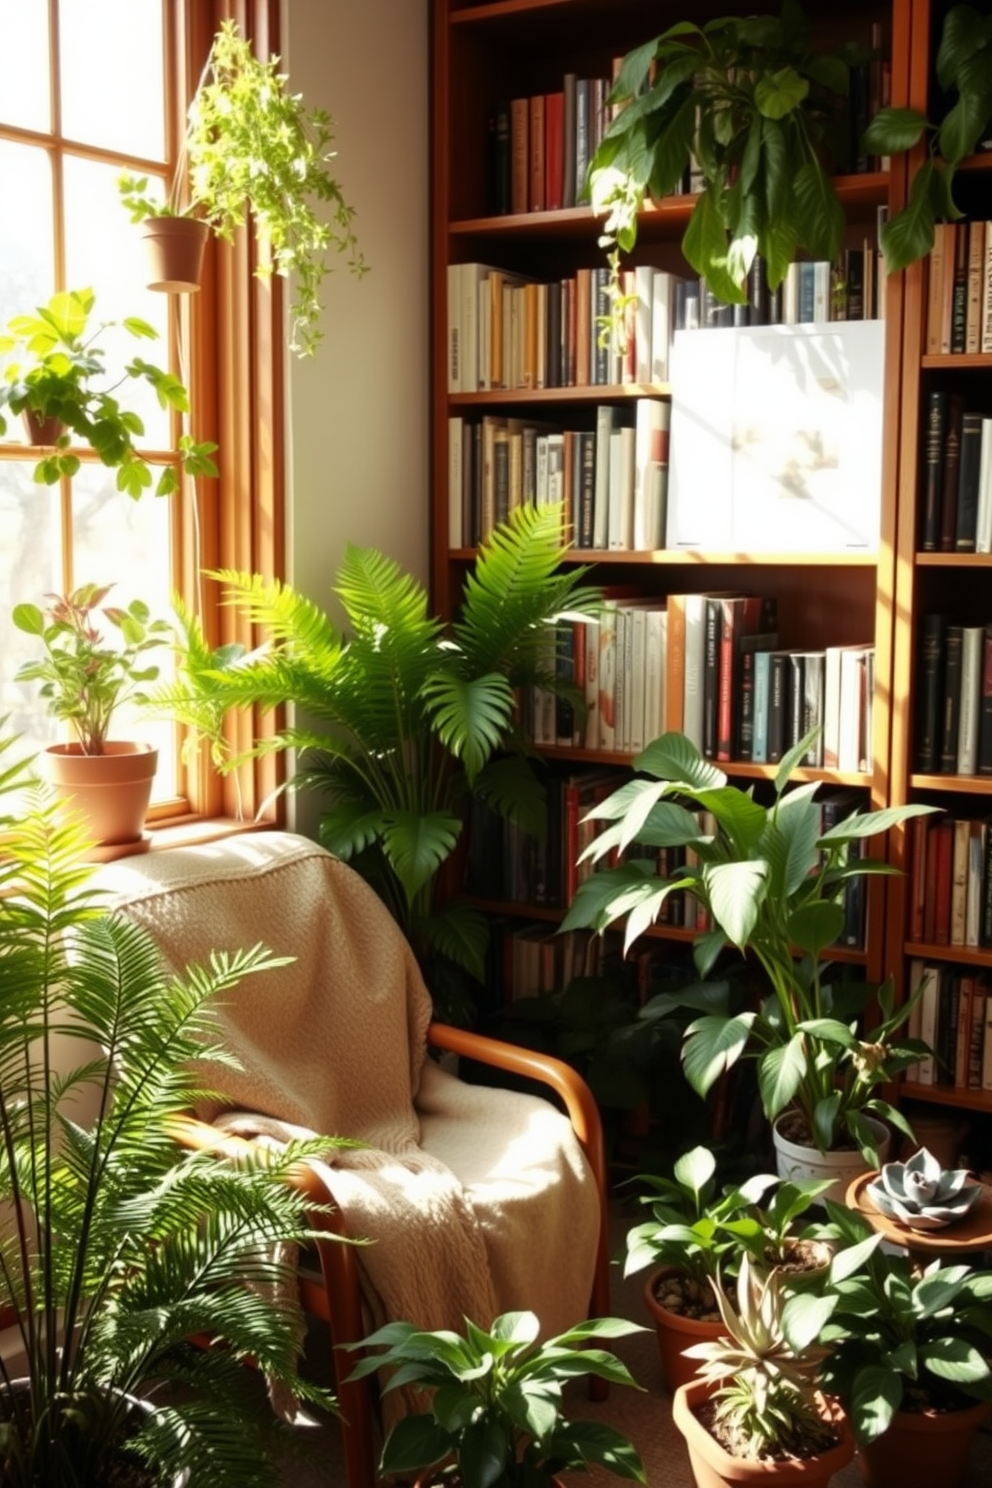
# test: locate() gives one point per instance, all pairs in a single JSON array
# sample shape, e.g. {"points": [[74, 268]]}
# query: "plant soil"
{"points": [[818, 1437], [795, 1128], [692, 1299]]}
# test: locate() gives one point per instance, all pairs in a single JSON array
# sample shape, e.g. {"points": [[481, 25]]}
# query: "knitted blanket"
{"points": [[478, 1200]]}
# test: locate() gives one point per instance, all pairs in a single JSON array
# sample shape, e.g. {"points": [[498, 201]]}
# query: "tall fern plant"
{"points": [[400, 718], [117, 1247]]}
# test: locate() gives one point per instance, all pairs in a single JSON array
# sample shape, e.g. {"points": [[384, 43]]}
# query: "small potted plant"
{"points": [[496, 1418], [697, 1238], [910, 1357], [86, 673], [251, 145], [755, 1412], [120, 1249], [772, 883], [55, 376]]}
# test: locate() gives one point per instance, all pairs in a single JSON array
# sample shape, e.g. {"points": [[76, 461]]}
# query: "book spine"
{"points": [[971, 459], [519, 154], [711, 676], [951, 707], [972, 646], [928, 716], [778, 690], [762, 674], [933, 467]]}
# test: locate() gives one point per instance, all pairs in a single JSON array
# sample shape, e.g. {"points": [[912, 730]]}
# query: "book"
{"points": [[535, 152], [620, 526], [662, 323], [569, 81], [643, 317], [499, 158], [932, 467], [747, 622], [976, 265], [959, 290], [967, 507], [976, 1042], [692, 691], [930, 687], [985, 707], [652, 420], [712, 622], [983, 511], [969, 706], [778, 706], [951, 700], [950, 484], [762, 687], [976, 861], [583, 151], [917, 830], [519, 154], [960, 831], [554, 148]]}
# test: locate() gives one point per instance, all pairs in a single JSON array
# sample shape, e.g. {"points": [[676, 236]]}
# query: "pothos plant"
{"points": [[250, 145], [964, 73], [748, 103]]}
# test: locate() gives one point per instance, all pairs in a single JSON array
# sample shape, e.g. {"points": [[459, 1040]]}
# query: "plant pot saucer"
{"points": [[109, 852], [973, 1232]]}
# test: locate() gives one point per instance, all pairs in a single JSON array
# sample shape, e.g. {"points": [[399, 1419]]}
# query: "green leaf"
{"points": [[955, 1359], [875, 1398], [894, 130], [779, 93], [735, 892], [694, 1170], [704, 244], [712, 1046], [816, 925], [908, 235], [672, 756], [780, 1073], [819, 216]]}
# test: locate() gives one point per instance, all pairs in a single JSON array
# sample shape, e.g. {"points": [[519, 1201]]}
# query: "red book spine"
{"points": [[554, 146], [941, 889]]}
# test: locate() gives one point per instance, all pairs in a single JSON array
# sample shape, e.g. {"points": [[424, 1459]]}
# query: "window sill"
{"points": [[185, 832]]}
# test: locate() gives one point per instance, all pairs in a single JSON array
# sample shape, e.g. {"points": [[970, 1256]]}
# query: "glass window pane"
{"points": [[25, 97], [30, 567], [128, 544], [120, 42], [104, 253], [27, 256]]}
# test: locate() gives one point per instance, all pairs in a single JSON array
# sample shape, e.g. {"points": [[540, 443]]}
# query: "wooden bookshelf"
{"points": [[516, 48]]}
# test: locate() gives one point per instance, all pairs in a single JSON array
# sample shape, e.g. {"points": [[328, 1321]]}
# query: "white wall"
{"points": [[358, 410]]}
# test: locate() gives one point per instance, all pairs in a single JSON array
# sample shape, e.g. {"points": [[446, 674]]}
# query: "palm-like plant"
{"points": [[118, 1248], [402, 718]]}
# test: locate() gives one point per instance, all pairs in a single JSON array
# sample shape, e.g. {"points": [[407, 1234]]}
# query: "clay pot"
{"points": [[712, 1467], [174, 251], [676, 1332], [45, 432], [111, 790], [923, 1448]]}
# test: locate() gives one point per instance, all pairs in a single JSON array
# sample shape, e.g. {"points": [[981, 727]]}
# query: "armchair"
{"points": [[475, 1200]]}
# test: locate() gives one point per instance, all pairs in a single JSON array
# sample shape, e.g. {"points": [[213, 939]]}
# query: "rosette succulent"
{"points": [[921, 1194]]}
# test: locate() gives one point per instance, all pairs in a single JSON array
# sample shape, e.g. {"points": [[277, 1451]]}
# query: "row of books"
{"points": [[612, 480], [959, 289], [956, 479], [954, 1017], [506, 330], [540, 145], [950, 880], [954, 703]]}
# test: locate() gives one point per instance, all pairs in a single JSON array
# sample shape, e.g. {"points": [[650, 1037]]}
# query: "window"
{"points": [[88, 91]]}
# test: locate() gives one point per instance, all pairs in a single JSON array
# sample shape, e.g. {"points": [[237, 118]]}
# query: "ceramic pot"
{"points": [[712, 1467], [111, 790], [676, 1333], [138, 1407], [795, 1161], [923, 1448], [45, 432], [174, 252]]}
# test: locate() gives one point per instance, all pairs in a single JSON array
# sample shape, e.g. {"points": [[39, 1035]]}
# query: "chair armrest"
{"points": [[579, 1104]]}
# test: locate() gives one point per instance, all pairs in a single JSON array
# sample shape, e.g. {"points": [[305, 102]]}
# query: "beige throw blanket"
{"points": [[478, 1200]]}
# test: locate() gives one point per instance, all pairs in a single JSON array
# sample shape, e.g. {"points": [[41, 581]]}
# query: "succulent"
{"points": [[766, 1368], [921, 1194]]}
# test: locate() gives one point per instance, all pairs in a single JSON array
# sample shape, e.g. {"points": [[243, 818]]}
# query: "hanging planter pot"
{"points": [[111, 790], [174, 249], [44, 432]]}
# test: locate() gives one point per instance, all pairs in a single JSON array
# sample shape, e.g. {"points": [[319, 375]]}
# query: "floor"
{"points": [[645, 1417]]}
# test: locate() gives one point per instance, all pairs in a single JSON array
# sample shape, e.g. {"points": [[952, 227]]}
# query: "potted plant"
{"points": [[772, 884], [964, 73], [85, 676], [756, 1413], [749, 105], [405, 717], [251, 146], [697, 1238], [910, 1356], [55, 375], [119, 1248], [496, 1417]]}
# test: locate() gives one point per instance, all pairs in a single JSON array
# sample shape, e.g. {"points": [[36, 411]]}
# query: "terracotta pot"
{"points": [[140, 1408], [795, 1161], [174, 250], [923, 1448], [111, 790], [676, 1333], [712, 1467], [42, 431]]}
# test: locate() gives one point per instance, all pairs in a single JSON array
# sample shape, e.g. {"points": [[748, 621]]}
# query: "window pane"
{"points": [[30, 567], [24, 92], [103, 252], [27, 260], [128, 544], [120, 43]]}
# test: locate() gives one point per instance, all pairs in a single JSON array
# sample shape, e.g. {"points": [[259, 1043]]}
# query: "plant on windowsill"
{"points": [[964, 72], [401, 718], [251, 146], [496, 1418], [85, 676], [772, 883], [748, 104], [118, 1247], [55, 375]]}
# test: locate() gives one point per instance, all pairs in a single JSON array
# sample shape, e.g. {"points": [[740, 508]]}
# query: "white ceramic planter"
{"points": [[793, 1161]]}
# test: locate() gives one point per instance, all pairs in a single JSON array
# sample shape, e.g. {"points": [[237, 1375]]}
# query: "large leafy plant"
{"points": [[118, 1248], [496, 1417], [755, 109], [399, 717], [964, 72], [773, 884], [251, 145], [55, 369]]}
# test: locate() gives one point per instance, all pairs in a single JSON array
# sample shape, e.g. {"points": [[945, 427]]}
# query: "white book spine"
{"points": [[983, 522], [643, 316], [637, 625], [692, 692], [831, 707], [592, 687], [601, 492], [454, 329], [648, 424], [456, 435], [930, 977], [972, 642], [655, 658], [662, 294]]}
